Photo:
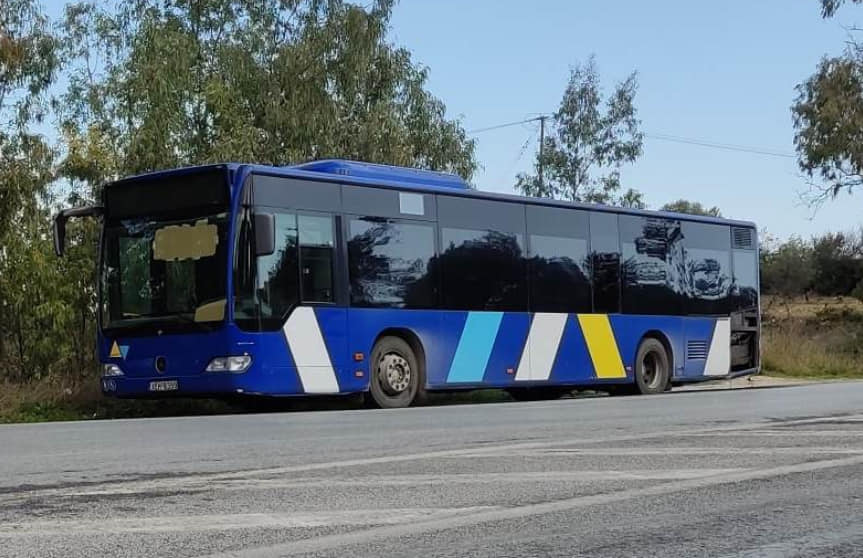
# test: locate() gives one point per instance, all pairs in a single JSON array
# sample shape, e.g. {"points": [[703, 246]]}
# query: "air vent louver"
{"points": [[696, 350], [742, 238]]}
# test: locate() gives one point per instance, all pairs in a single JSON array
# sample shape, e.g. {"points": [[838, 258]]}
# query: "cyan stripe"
{"points": [[474, 347]]}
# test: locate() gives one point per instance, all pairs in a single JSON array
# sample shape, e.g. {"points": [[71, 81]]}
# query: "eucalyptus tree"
{"points": [[592, 137]]}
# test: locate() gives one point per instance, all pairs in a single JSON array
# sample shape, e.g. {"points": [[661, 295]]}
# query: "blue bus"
{"points": [[338, 277]]}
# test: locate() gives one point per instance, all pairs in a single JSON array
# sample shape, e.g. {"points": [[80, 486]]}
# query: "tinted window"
{"points": [[559, 279], [482, 270], [389, 263], [467, 213], [708, 268], [653, 269], [316, 257], [297, 194], [174, 193], [605, 262], [745, 290]]}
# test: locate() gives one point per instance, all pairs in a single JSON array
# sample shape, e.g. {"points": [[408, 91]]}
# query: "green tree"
{"points": [[28, 62], [35, 326], [277, 81], [591, 138], [155, 84], [692, 208], [787, 270], [837, 262], [828, 116]]}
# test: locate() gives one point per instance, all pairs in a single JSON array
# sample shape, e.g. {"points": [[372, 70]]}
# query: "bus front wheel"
{"points": [[396, 376], [652, 367]]}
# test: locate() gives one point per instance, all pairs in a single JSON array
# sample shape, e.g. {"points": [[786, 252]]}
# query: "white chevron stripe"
{"points": [[719, 356], [540, 349], [310, 352]]}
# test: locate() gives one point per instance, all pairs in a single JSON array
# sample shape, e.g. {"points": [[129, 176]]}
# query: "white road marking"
{"points": [[782, 433], [374, 481], [545, 452], [229, 522], [328, 542], [183, 482]]}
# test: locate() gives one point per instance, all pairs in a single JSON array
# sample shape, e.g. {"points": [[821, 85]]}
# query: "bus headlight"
{"points": [[230, 364], [111, 370]]}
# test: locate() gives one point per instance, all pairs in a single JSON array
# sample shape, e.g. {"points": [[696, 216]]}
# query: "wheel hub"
{"points": [[650, 367], [394, 373]]}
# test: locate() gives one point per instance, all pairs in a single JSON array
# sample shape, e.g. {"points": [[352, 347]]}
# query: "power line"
{"points": [[700, 142], [725, 146], [507, 125]]}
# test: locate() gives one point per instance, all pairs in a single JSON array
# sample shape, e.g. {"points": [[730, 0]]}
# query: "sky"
{"points": [[724, 72]]}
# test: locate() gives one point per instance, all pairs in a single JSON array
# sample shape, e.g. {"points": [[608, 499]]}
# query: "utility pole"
{"points": [[541, 148]]}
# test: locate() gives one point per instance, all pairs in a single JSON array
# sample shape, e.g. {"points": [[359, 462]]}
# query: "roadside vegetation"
{"points": [[817, 338], [812, 314], [106, 90]]}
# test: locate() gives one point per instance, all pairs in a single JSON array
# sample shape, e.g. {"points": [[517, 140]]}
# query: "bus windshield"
{"points": [[168, 274]]}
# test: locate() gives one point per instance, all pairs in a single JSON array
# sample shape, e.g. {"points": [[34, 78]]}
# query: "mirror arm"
{"points": [[63, 216]]}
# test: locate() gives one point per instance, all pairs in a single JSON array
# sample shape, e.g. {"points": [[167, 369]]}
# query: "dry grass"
{"points": [[44, 400], [782, 308], [818, 338]]}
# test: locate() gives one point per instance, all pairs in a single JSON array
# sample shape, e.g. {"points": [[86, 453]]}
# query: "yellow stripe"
{"points": [[601, 345], [115, 351]]}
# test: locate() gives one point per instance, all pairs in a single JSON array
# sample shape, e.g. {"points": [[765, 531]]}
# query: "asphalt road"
{"points": [[746, 473]]}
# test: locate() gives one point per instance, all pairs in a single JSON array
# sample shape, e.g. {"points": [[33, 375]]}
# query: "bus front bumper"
{"points": [[203, 385], [168, 386]]}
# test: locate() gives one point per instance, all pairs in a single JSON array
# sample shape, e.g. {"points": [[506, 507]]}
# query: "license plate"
{"points": [[164, 385]]}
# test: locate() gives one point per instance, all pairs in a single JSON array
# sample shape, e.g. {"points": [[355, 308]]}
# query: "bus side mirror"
{"points": [[59, 228], [265, 234]]}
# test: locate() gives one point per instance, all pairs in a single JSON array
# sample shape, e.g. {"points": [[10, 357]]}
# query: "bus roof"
{"points": [[402, 178]]}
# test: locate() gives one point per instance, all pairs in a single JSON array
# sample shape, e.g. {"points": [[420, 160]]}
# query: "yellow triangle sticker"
{"points": [[115, 351]]}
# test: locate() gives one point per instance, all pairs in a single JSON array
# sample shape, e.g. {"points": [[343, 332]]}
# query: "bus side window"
{"points": [[605, 262], [708, 268], [316, 258]]}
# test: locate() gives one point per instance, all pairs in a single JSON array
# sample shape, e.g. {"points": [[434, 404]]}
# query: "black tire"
{"points": [[397, 377], [652, 367], [537, 393]]}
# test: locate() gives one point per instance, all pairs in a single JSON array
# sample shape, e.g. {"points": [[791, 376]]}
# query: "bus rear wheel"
{"points": [[652, 367], [396, 376]]}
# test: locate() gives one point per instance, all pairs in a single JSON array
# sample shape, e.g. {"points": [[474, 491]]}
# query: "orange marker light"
{"points": [[358, 357]]}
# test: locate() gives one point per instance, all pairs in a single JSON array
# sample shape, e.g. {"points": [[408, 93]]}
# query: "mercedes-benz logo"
{"points": [[161, 364]]}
